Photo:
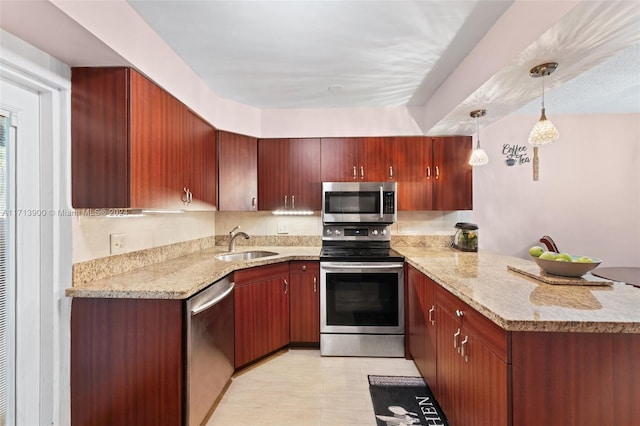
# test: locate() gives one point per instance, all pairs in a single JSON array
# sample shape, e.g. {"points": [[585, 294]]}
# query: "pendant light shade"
{"points": [[478, 156], [544, 132]]}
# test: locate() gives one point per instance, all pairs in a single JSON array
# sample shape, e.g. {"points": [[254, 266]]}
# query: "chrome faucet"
{"points": [[233, 235]]}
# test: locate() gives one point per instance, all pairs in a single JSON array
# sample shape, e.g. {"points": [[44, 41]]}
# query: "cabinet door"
{"points": [[338, 157], [449, 392], [273, 174], [376, 159], [237, 172], [305, 185], [484, 383], [304, 302], [414, 173], [417, 332], [156, 126], [453, 187], [100, 137], [472, 369], [199, 152], [261, 312], [127, 361]]}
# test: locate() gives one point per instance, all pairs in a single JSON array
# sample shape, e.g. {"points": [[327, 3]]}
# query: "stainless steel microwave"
{"points": [[359, 202]]}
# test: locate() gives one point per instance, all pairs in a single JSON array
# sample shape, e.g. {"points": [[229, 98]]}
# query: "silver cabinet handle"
{"points": [[428, 172], [390, 171], [286, 286], [437, 173], [431, 311], [315, 285], [455, 340], [285, 201], [361, 172], [459, 313], [293, 201], [462, 350], [187, 197], [253, 202], [304, 267], [354, 172]]}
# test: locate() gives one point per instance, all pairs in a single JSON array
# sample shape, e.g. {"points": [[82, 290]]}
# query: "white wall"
{"points": [[91, 235], [587, 197]]}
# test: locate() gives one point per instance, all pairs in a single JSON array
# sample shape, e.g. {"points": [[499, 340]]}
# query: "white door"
{"points": [[21, 255]]}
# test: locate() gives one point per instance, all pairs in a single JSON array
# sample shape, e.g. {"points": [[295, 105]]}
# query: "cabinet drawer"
{"points": [[304, 267], [494, 337], [260, 273]]}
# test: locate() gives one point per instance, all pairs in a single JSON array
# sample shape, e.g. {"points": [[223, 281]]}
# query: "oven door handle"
{"points": [[360, 265]]}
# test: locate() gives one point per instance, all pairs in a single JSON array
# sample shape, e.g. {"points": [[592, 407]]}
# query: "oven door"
{"points": [[362, 297]]}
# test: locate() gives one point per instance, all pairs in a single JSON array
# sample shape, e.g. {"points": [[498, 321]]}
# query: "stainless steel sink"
{"points": [[245, 255]]}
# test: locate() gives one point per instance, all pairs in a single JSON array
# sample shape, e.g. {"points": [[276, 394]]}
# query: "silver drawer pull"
{"points": [[463, 345], [455, 340]]}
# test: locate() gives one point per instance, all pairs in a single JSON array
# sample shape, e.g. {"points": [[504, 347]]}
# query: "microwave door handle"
{"points": [[381, 203]]}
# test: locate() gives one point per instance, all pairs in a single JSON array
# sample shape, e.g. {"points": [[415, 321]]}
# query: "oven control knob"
{"points": [[329, 232], [374, 232], [337, 232], [383, 232]]}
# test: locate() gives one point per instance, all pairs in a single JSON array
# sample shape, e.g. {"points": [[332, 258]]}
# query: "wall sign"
{"points": [[515, 154]]}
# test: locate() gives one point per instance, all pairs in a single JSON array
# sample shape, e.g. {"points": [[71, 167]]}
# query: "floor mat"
{"points": [[401, 400]]}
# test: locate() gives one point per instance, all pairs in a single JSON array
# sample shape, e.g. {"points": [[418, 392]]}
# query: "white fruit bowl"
{"points": [[566, 269]]}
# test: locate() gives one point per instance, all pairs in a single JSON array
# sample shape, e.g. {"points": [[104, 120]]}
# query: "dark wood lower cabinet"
{"points": [[304, 302], [575, 378], [487, 376], [261, 312], [126, 362]]}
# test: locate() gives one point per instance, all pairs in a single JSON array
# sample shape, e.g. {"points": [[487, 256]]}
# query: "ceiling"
{"points": [[351, 54], [322, 54]]}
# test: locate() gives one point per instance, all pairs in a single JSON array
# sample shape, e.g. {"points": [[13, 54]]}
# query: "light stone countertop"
{"points": [[482, 280], [184, 276], [518, 303]]}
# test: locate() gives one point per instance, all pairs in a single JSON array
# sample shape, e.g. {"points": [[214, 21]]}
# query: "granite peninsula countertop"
{"points": [[482, 280], [518, 303]]}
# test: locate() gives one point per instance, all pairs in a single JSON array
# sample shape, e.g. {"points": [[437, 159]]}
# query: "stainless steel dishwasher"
{"points": [[210, 348]]}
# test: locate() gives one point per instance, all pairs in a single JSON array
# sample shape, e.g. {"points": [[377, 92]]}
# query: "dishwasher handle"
{"points": [[213, 301]]}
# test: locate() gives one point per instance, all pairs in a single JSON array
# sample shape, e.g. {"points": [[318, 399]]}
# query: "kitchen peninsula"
{"points": [[547, 354]]}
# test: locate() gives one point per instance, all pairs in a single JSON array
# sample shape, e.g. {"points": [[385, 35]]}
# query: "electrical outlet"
{"points": [[118, 243], [283, 228]]}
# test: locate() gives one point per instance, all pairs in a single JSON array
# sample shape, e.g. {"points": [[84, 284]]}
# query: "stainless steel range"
{"points": [[362, 292]]}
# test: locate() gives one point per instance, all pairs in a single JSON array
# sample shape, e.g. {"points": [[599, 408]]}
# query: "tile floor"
{"points": [[299, 387]]}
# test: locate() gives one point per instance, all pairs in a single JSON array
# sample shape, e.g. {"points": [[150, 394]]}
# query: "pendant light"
{"points": [[478, 156], [544, 132]]}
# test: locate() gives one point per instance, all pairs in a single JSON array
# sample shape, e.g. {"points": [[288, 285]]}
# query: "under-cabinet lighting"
{"points": [[292, 212]]}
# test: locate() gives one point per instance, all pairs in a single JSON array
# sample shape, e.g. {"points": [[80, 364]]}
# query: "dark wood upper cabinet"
{"points": [[136, 146], [289, 174], [369, 159], [237, 172], [453, 189], [433, 173], [414, 175]]}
